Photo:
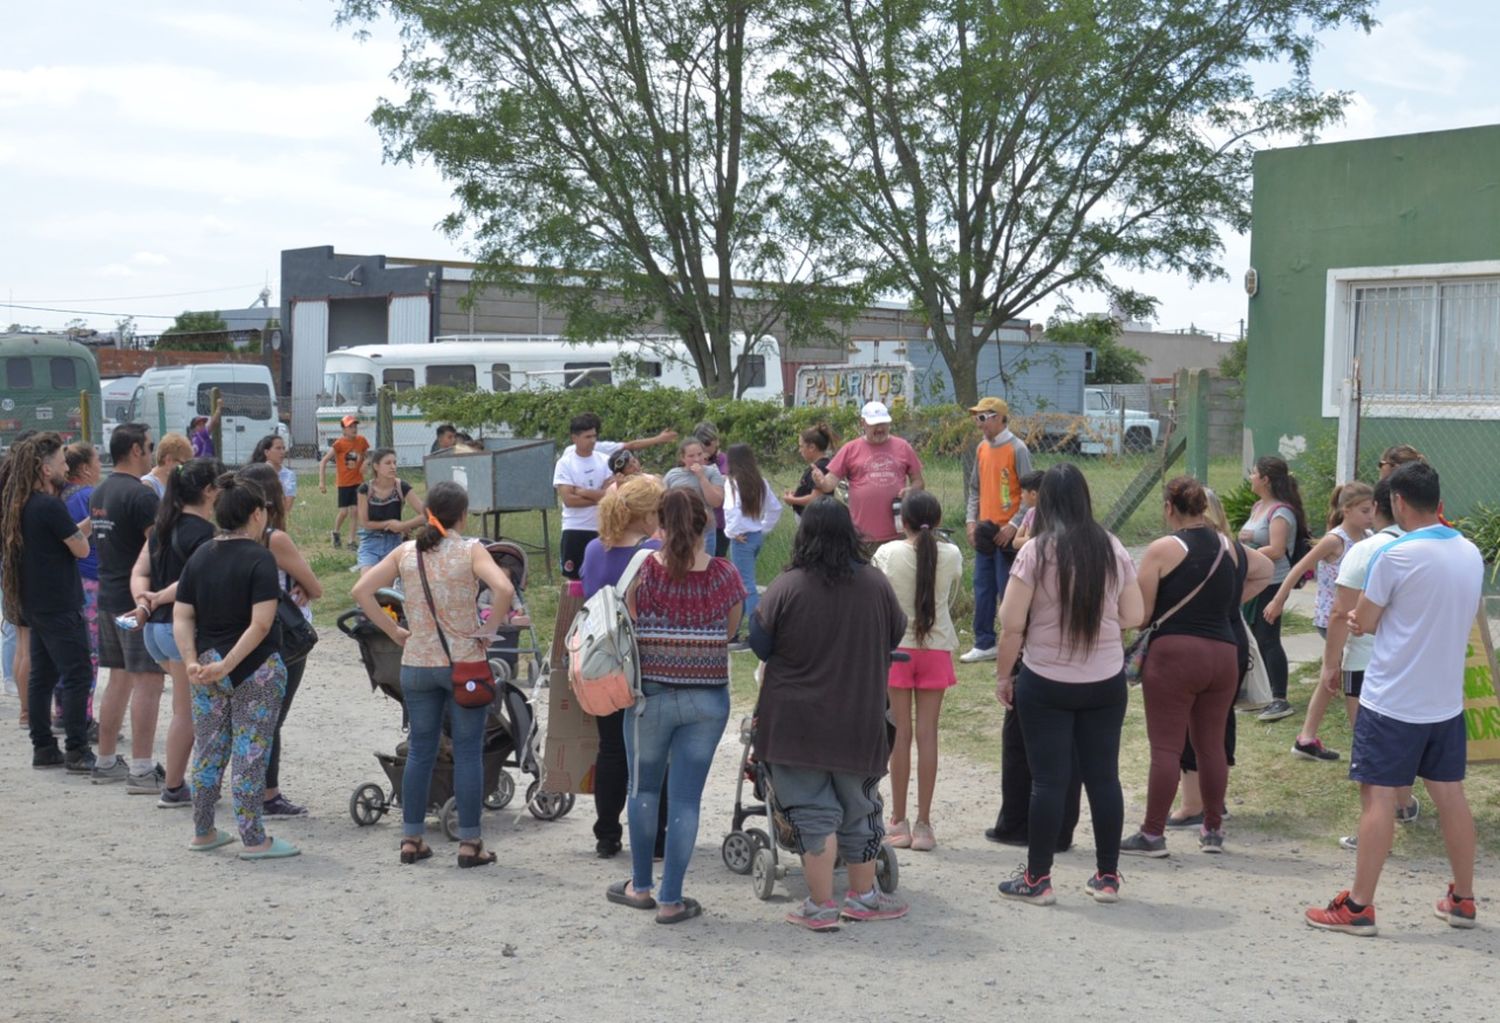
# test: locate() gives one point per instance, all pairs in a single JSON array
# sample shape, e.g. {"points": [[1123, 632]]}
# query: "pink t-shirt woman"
{"points": [[1046, 651]]}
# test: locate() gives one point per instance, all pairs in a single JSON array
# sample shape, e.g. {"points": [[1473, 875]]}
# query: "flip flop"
{"points": [[690, 909], [616, 893], [280, 849], [221, 839]]}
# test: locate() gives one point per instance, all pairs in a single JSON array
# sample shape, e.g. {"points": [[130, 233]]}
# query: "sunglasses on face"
{"points": [[984, 417]]}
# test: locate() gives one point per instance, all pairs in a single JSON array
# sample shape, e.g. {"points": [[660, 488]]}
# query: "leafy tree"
{"points": [[605, 144], [1114, 363], [196, 323], [994, 154], [1232, 365]]}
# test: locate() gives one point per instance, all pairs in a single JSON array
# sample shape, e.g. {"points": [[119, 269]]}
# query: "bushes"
{"points": [[638, 410]]}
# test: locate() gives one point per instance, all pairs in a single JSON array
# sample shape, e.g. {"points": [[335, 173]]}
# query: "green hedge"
{"points": [[636, 410]]}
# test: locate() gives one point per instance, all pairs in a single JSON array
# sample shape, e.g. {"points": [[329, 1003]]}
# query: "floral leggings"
{"points": [[235, 723]]}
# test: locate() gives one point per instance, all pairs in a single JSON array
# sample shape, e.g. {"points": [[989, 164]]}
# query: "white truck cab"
{"points": [[167, 398], [1114, 429]]}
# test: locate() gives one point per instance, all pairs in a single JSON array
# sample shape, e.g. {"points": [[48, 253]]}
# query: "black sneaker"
{"points": [[1025, 888], [1139, 844], [1275, 711], [338, 541], [1211, 841], [173, 799], [1314, 750], [607, 850], [79, 761], [49, 756], [1006, 837], [279, 807]]}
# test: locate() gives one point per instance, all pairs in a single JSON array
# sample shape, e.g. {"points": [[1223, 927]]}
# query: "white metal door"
{"points": [[409, 320], [309, 348]]}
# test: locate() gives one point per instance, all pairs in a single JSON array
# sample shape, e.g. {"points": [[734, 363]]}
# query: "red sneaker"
{"points": [[1457, 910], [1339, 917]]}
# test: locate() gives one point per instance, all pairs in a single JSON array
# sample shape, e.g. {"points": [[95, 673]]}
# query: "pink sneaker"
{"points": [[878, 906], [898, 834], [923, 839]]}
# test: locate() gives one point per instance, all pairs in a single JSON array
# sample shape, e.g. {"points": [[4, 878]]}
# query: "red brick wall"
{"points": [[125, 362]]}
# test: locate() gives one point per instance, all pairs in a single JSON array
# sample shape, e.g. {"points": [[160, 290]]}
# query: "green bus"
{"points": [[41, 379]]}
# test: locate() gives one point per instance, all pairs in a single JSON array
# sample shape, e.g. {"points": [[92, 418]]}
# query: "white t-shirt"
{"points": [[1429, 582], [589, 473], [1354, 570]]}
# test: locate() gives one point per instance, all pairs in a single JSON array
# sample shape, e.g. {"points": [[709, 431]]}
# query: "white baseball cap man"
{"points": [[875, 413]]}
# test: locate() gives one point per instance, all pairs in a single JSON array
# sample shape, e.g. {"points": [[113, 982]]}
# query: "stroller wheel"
{"points": [[448, 817], [759, 838], [505, 791], [738, 851], [887, 871], [547, 806], [763, 874], [367, 804]]}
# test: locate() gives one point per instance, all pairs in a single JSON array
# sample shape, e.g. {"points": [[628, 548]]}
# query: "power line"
{"points": [[134, 298], [89, 312]]}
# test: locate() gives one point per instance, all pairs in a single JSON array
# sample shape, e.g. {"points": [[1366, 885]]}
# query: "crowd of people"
{"points": [[172, 565]]}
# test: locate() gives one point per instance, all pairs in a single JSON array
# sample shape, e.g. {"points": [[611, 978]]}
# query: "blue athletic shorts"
{"points": [[1393, 753]]}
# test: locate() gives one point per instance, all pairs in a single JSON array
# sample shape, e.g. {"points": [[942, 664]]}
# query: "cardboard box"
{"points": [[572, 738]]}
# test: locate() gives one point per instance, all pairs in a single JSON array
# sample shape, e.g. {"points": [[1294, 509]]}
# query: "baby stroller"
{"points": [[752, 851], [512, 738]]}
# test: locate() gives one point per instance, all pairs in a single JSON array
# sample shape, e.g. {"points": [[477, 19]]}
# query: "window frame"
{"points": [[398, 385], [30, 384], [589, 372], [1338, 336], [471, 384]]}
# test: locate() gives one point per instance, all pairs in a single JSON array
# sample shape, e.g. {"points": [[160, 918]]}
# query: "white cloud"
{"points": [[114, 270], [144, 258], [1398, 54]]}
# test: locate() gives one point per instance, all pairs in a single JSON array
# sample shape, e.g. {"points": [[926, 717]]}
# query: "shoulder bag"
{"points": [[473, 681], [1135, 654]]}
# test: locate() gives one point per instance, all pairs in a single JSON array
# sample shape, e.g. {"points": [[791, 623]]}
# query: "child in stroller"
{"points": [[512, 738]]}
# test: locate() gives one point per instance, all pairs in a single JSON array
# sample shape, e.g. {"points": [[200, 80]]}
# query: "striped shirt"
{"points": [[682, 625]]}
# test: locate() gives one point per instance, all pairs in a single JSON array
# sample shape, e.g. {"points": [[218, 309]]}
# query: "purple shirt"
{"points": [[603, 566], [203, 443]]}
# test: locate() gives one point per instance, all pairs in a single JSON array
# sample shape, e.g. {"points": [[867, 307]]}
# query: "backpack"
{"points": [[603, 664]]}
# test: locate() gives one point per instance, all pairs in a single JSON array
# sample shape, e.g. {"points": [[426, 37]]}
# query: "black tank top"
{"points": [[1208, 613]]}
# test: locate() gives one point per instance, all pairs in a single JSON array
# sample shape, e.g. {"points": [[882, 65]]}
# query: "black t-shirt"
{"points": [[1208, 614], [50, 583], [167, 560], [223, 581], [123, 509], [805, 485], [387, 508]]}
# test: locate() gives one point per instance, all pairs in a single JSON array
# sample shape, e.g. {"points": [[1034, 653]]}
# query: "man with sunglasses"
{"points": [[123, 511], [994, 504]]}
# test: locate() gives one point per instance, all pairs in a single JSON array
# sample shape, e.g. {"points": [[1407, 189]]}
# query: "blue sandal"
{"points": [[280, 849], [221, 839]]}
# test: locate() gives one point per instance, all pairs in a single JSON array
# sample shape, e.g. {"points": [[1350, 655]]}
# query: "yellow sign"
{"points": [[1481, 706]]}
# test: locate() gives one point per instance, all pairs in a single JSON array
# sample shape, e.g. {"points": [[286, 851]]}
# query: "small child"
{"points": [[348, 455], [1030, 484]]}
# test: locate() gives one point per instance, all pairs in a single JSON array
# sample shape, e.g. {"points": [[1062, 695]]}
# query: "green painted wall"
{"points": [[1430, 198]]}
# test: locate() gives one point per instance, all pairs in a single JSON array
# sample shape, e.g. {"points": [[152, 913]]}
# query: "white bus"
{"points": [[498, 362]]}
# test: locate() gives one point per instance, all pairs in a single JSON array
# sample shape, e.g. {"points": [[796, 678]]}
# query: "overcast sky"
{"points": [[157, 156]]}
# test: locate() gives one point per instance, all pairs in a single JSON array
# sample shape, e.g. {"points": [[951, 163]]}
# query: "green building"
{"points": [[1384, 254]]}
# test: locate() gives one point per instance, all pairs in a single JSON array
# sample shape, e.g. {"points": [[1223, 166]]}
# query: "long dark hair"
{"points": [[827, 544], [262, 446], [449, 504], [683, 517], [1278, 476], [747, 479], [1081, 550], [186, 485], [923, 514], [20, 477], [261, 474]]}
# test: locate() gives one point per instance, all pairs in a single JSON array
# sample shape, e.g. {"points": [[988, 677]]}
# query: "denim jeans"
{"points": [[742, 555], [375, 544], [991, 573], [59, 661], [428, 693], [683, 724], [160, 643]]}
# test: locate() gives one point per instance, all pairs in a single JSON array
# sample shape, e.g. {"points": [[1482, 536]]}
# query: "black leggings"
{"points": [[1267, 636], [612, 784], [1068, 723], [293, 680]]}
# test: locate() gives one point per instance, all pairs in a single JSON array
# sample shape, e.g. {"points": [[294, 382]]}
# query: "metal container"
{"points": [[511, 475]]}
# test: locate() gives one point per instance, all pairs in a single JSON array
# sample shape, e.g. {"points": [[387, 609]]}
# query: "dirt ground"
{"points": [[107, 916]]}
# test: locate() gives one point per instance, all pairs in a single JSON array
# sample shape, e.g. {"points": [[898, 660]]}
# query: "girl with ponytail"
{"points": [[184, 522], [924, 569]]}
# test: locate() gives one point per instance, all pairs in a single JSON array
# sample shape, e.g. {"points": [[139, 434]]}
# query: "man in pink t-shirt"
{"points": [[880, 469]]}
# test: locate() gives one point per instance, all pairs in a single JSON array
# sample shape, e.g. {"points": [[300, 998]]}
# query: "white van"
{"points": [[167, 398], [499, 362], [116, 394]]}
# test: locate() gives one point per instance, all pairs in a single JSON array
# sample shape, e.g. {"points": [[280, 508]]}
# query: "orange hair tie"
{"points": [[432, 521]]}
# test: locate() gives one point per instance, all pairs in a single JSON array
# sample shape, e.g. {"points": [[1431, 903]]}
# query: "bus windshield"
{"points": [[349, 388]]}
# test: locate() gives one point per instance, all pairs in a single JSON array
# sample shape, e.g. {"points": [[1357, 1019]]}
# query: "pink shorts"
{"points": [[927, 669]]}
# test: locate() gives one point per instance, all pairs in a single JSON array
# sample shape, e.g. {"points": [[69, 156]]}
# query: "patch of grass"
{"points": [[1295, 623]]}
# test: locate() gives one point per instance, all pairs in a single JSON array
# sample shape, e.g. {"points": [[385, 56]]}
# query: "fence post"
{"points": [[1348, 437], [385, 423], [161, 414], [85, 418], [216, 424], [1193, 393]]}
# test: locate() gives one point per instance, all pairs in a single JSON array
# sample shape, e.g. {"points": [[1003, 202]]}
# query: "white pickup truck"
{"points": [[1113, 430]]}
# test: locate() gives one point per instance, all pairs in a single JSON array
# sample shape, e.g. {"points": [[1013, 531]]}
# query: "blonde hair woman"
{"points": [[171, 451], [627, 523]]}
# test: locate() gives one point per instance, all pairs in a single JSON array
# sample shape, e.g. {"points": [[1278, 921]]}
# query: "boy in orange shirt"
{"points": [[349, 453]]}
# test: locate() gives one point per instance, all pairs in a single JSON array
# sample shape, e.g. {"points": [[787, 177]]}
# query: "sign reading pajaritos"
{"points": [[850, 384]]}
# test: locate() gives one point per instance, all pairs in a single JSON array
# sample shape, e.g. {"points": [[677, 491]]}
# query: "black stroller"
{"points": [[512, 738], [752, 851]]}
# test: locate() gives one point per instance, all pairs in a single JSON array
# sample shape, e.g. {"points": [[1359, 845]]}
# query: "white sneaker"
{"points": [[1349, 842], [978, 654]]}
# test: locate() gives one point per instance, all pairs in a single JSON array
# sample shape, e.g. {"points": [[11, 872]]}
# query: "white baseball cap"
{"points": [[875, 413]]}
